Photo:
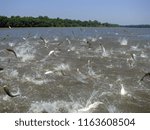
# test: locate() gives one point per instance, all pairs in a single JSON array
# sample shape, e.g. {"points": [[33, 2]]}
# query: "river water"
{"points": [[75, 70]]}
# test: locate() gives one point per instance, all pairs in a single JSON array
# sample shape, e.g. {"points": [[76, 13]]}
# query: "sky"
{"points": [[123, 12]]}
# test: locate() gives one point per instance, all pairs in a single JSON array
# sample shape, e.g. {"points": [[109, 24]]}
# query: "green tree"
{"points": [[44, 21]]}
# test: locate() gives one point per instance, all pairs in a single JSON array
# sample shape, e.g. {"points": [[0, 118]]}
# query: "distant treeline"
{"points": [[136, 26], [44, 21]]}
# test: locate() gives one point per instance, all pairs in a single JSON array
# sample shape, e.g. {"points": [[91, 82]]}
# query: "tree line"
{"points": [[44, 21], [137, 26]]}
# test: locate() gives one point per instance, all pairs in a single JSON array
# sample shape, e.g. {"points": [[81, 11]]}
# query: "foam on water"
{"points": [[54, 107], [94, 107], [11, 44], [33, 80], [6, 98], [62, 66], [56, 38], [71, 48], [66, 107], [112, 109], [84, 40], [135, 48], [143, 55], [11, 73], [100, 38], [92, 96], [93, 39]]}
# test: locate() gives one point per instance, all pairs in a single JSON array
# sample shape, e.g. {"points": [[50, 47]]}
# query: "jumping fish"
{"points": [[102, 47], [11, 50], [1, 69], [8, 92], [44, 41], [10, 27], [89, 44], [146, 75]]}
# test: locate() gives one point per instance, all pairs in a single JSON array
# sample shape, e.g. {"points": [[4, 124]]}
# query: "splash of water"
{"points": [[54, 107], [26, 52], [12, 73], [33, 80], [62, 66], [104, 52], [94, 107], [123, 91], [143, 55], [123, 42]]}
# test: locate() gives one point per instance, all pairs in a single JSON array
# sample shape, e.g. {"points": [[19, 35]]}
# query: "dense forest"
{"points": [[44, 21]]}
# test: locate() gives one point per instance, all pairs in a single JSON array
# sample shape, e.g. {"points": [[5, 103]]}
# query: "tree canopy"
{"points": [[44, 21]]}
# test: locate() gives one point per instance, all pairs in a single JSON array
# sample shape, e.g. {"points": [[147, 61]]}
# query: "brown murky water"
{"points": [[75, 70]]}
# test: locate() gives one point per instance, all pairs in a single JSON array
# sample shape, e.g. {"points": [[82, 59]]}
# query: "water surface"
{"points": [[75, 70]]}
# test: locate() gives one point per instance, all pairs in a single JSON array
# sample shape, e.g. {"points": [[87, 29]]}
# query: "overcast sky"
{"points": [[113, 11]]}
